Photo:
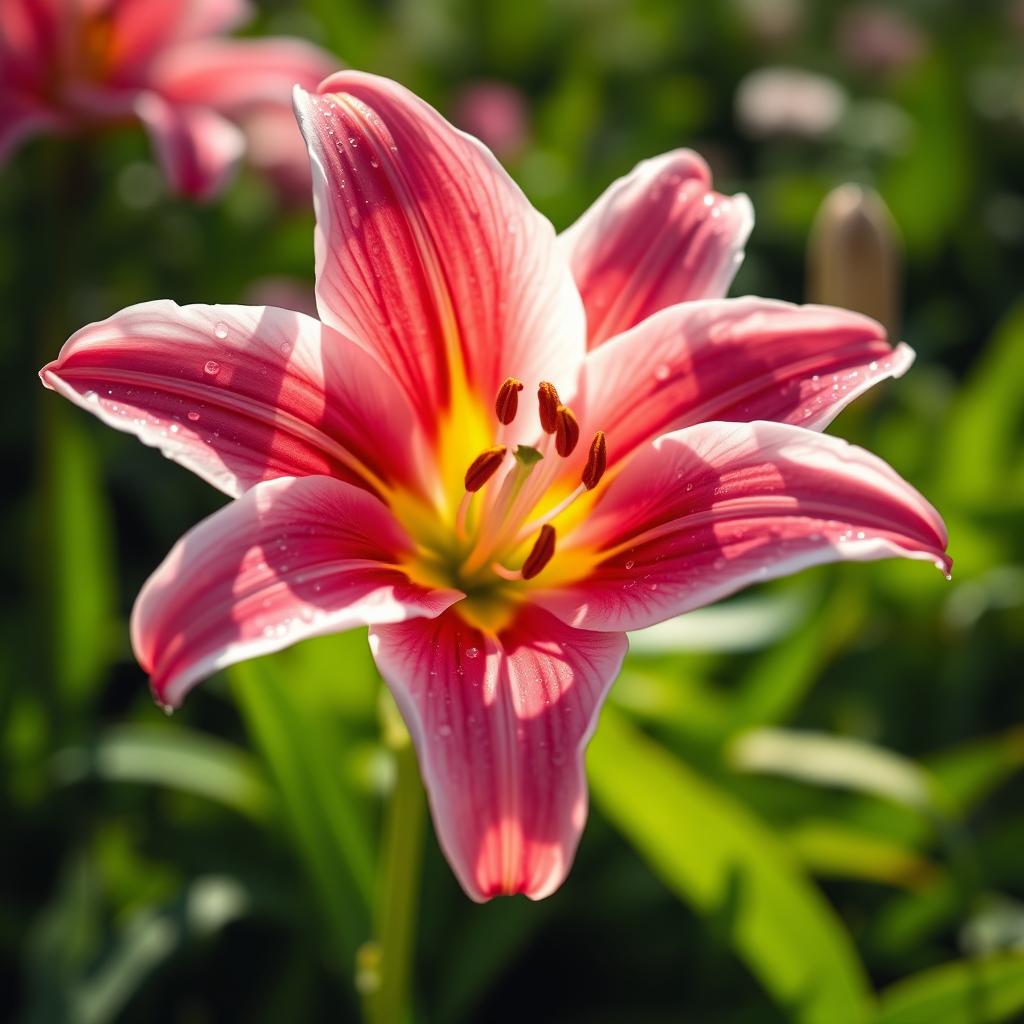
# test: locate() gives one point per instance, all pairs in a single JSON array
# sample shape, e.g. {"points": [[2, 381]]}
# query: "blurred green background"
{"points": [[807, 803]]}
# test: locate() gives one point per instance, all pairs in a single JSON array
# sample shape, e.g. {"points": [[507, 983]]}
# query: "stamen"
{"points": [[506, 405], [548, 400], [597, 461], [483, 467], [567, 431], [542, 553]]}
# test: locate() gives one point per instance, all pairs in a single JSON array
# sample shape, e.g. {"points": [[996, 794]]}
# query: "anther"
{"points": [[506, 405], [597, 461], [567, 431], [483, 467], [548, 400], [542, 552]]}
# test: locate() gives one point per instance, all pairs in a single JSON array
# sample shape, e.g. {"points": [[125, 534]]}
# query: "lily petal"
{"points": [[500, 725], [702, 512], [428, 253], [240, 394], [656, 237], [733, 359], [198, 149], [234, 75], [20, 120], [292, 558]]}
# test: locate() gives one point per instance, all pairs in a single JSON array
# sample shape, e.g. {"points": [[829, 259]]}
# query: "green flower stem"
{"points": [[387, 964]]}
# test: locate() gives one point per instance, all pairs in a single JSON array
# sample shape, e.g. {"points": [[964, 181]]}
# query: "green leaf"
{"points": [[719, 858], [825, 760], [981, 449], [832, 849], [80, 555], [971, 772], [327, 823], [175, 757], [985, 991]]}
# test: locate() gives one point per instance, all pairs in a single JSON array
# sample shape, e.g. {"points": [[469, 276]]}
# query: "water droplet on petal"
{"points": [[212, 367], [472, 652], [221, 330], [662, 371], [193, 415]]}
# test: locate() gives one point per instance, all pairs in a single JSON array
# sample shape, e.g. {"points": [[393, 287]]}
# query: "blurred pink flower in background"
{"points": [[495, 113], [73, 65], [789, 101], [879, 39]]}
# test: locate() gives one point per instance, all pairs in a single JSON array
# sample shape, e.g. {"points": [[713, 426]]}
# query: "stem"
{"points": [[393, 951]]}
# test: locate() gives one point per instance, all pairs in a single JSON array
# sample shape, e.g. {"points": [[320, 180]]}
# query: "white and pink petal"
{"points": [[707, 510], [290, 559], [659, 236], [240, 394], [428, 253], [500, 725], [733, 359]]}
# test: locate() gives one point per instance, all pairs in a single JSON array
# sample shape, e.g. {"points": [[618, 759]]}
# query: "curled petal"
{"points": [[656, 237], [198, 149], [290, 559], [428, 253], [733, 359], [500, 724], [704, 511], [240, 394]]}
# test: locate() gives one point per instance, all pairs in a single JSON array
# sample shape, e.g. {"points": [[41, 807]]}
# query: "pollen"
{"points": [[506, 405], [542, 552], [483, 467], [549, 402], [567, 431]]}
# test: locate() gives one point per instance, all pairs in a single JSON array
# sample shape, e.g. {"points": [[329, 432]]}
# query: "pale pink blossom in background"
{"points": [[879, 39], [789, 101], [498, 448], [75, 65], [496, 113]]}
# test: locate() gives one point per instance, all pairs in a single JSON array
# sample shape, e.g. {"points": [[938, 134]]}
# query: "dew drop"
{"points": [[193, 415], [472, 652], [662, 371], [630, 564], [221, 330], [212, 367]]}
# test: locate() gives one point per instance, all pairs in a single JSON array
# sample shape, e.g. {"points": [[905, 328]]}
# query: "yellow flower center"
{"points": [[492, 530]]}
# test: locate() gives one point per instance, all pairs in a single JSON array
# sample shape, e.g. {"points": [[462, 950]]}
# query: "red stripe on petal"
{"points": [[500, 725], [733, 359], [240, 394], [288, 560], [427, 252], [656, 237], [708, 510]]}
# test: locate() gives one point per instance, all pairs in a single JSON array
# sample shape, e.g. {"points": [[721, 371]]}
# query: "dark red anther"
{"points": [[567, 431], [547, 398], [483, 467], [597, 461], [542, 552], [506, 405]]}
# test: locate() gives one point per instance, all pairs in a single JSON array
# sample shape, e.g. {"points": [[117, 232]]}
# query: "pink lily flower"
{"points": [[73, 65], [390, 469]]}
